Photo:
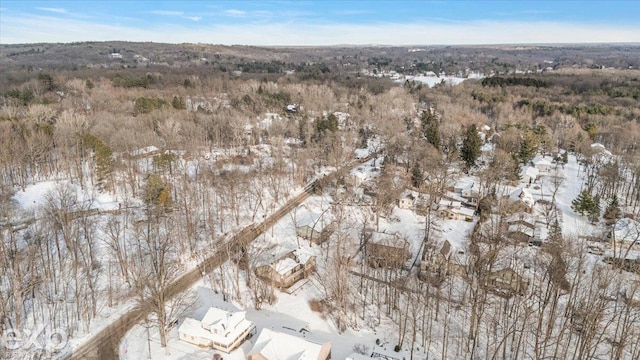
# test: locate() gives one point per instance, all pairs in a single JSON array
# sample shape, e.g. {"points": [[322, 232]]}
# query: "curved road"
{"points": [[105, 343]]}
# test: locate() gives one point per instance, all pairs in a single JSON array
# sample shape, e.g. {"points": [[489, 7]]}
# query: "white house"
{"points": [[356, 177], [543, 165], [523, 195], [218, 329], [454, 210], [274, 345], [529, 174], [471, 194], [406, 201]]}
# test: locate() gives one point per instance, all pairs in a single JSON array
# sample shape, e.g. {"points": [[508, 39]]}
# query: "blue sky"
{"points": [[321, 22]]}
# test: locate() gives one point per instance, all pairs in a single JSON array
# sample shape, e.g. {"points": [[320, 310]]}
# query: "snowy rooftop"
{"points": [[529, 171], [626, 230], [285, 265], [217, 325], [444, 203], [524, 217], [308, 217], [540, 160], [361, 153], [389, 239], [279, 260], [523, 195], [521, 229], [275, 345]]}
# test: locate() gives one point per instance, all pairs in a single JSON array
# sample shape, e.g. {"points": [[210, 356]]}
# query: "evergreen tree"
{"points": [[471, 146], [416, 176], [178, 103], [612, 212], [583, 203], [431, 128], [555, 231], [528, 149]]}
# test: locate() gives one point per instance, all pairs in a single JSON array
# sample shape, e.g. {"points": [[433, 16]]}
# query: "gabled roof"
{"points": [[282, 259], [522, 218], [522, 194], [529, 171], [306, 217], [444, 203], [217, 325], [540, 160], [275, 345]]}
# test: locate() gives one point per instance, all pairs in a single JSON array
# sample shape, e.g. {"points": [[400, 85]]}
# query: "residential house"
{"points": [[356, 177], [624, 258], [600, 154], [523, 195], [454, 210], [274, 345], [529, 174], [521, 227], [387, 250], [406, 202], [313, 226], [440, 261], [626, 231], [506, 282], [218, 329], [543, 165], [287, 269], [471, 194]]}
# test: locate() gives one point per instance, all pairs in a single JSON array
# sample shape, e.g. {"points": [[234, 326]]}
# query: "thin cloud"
{"points": [[32, 28], [179, 14], [53, 10], [235, 13], [166, 13]]}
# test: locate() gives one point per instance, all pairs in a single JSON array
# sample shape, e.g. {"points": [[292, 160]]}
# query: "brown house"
{"points": [[521, 227], [438, 262], [288, 269], [506, 282], [387, 250]]}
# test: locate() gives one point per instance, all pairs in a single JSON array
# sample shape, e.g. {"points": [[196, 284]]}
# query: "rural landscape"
{"points": [[391, 202], [361, 201]]}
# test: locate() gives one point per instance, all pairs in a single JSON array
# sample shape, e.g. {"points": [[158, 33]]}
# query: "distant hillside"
{"points": [[432, 58]]}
